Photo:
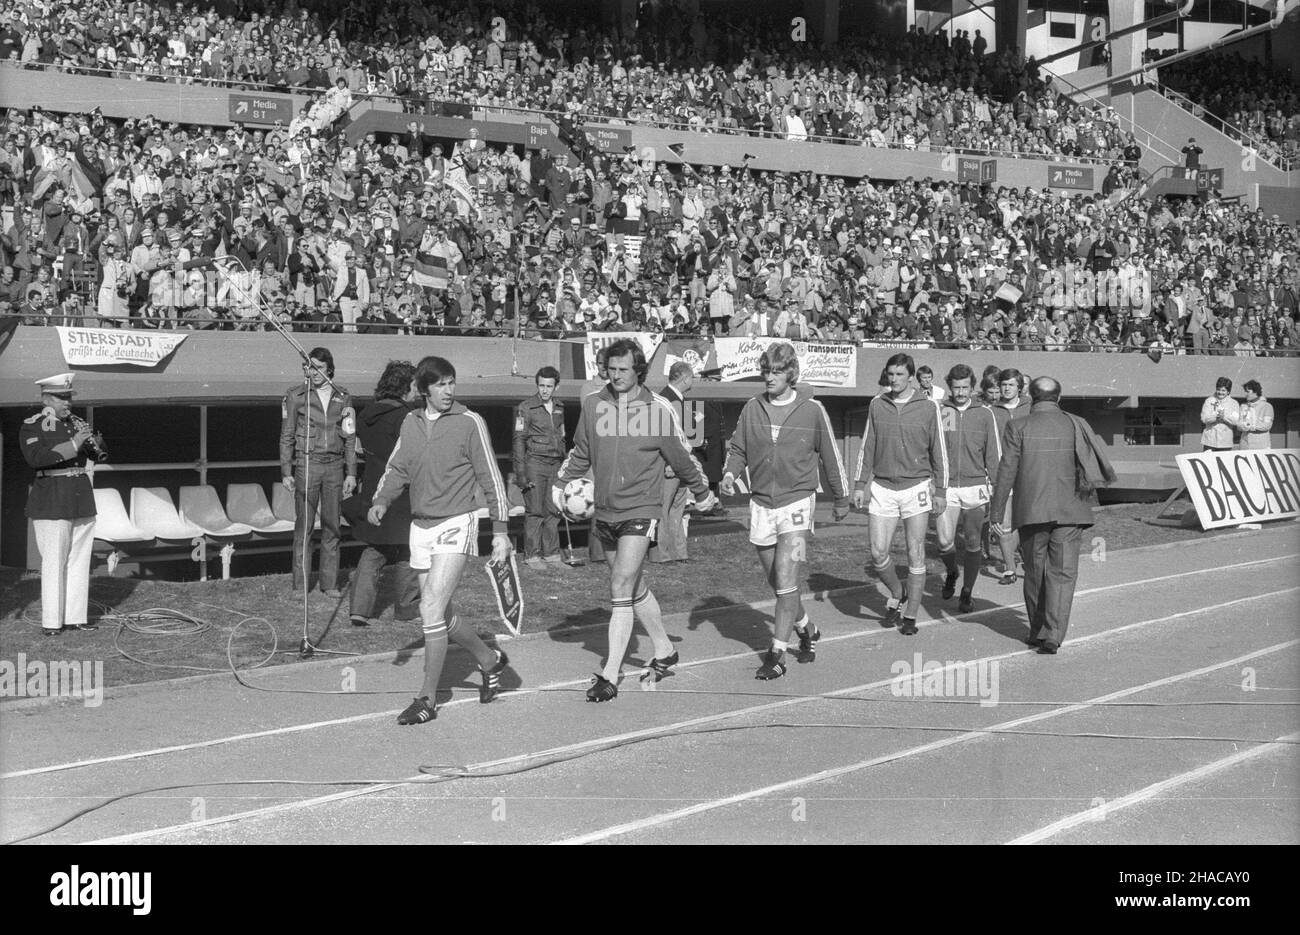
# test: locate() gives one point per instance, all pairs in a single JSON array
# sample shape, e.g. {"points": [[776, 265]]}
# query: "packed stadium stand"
{"points": [[114, 221], [518, 176]]}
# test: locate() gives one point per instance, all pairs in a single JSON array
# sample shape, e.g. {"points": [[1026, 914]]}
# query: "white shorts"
{"points": [[767, 523], [969, 498], [906, 503], [457, 535]]}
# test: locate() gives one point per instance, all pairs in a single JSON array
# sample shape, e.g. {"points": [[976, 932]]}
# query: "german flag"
{"points": [[430, 270]]}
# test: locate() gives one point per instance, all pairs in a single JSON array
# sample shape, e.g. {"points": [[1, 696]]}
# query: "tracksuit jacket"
{"points": [[625, 439], [444, 463], [973, 441], [1005, 415], [785, 471], [903, 445]]}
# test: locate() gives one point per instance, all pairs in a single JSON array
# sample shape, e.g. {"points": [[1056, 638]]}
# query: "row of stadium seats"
{"points": [[154, 515], [156, 520]]}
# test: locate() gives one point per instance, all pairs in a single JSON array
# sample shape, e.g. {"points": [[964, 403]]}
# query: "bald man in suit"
{"points": [[1054, 463]]}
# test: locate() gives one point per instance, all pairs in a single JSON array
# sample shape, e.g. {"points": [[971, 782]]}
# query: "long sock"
{"points": [[463, 635], [889, 577], [949, 561], [787, 603], [620, 632], [645, 609], [779, 646], [435, 653], [915, 585], [802, 623], [971, 562]]}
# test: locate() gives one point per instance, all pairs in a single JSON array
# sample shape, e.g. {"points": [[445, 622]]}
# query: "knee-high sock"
{"points": [[620, 631], [645, 609], [949, 561], [463, 635], [787, 612], [889, 577], [435, 653], [971, 562], [915, 585]]}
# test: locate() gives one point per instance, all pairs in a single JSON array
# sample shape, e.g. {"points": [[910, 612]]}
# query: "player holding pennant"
{"points": [[970, 434], [626, 434], [444, 455], [903, 467], [782, 436]]}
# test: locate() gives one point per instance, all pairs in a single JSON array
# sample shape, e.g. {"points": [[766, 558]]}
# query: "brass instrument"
{"points": [[95, 444]]}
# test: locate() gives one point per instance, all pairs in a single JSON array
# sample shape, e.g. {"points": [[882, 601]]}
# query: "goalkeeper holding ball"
{"points": [[782, 437], [626, 434]]}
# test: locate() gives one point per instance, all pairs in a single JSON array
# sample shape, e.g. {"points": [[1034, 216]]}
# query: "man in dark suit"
{"points": [[674, 524], [1054, 462]]}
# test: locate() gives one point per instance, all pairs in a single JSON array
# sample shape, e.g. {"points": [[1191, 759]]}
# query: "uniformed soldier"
{"points": [[61, 504], [538, 451], [317, 447]]}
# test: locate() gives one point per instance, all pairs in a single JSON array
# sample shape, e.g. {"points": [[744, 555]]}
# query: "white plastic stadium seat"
{"points": [[201, 506], [154, 513], [284, 507], [246, 503], [515, 510], [111, 522]]}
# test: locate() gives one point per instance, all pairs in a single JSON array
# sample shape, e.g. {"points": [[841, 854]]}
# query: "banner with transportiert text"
{"points": [[819, 364]]}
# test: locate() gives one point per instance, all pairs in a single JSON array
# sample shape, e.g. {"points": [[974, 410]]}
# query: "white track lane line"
{"points": [[1099, 812], [634, 735], [641, 824], [358, 718]]}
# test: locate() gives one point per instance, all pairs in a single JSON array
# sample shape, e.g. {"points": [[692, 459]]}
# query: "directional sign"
{"points": [[1209, 180], [608, 139], [540, 136], [250, 108], [989, 170], [968, 170], [1076, 177]]}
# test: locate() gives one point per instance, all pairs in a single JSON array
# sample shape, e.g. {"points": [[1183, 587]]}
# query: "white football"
{"points": [[579, 499]]}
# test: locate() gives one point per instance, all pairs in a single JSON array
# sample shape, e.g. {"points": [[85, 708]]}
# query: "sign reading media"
{"points": [[1075, 177], [609, 139], [253, 108], [1229, 488]]}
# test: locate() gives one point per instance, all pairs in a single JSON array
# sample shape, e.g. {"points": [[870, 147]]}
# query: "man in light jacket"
{"points": [[1220, 414], [1256, 420]]}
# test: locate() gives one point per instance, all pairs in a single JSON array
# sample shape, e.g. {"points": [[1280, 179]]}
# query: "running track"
{"points": [[1112, 741]]}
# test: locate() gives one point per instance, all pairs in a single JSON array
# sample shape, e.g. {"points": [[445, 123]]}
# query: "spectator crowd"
{"points": [[759, 77], [1245, 99], [112, 222]]}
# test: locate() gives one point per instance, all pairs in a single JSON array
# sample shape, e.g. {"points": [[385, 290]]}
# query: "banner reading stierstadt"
{"points": [[92, 347], [1229, 488]]}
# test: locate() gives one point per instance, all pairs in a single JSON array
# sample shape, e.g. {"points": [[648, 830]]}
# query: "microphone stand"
{"points": [[306, 648]]}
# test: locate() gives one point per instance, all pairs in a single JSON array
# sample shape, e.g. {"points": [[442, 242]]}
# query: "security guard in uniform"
{"points": [[318, 435], [538, 451], [61, 504]]}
